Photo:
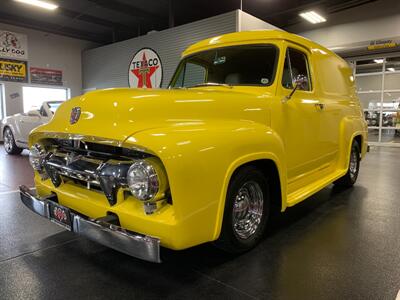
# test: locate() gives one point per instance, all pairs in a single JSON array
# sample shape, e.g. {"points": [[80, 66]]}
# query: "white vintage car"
{"points": [[15, 129]]}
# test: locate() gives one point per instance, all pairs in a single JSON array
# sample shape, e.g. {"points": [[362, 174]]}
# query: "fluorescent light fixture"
{"points": [[391, 69], [379, 60], [39, 3], [312, 17]]}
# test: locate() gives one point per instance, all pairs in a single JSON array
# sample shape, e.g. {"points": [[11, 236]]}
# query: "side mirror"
{"points": [[300, 82], [34, 113]]}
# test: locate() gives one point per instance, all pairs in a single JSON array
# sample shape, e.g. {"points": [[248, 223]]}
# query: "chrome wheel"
{"points": [[8, 140], [247, 209], [353, 168]]}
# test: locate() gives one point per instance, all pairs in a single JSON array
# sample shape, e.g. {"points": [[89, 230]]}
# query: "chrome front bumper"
{"points": [[140, 246]]}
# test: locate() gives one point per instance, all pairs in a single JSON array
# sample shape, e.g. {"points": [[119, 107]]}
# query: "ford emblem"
{"points": [[75, 114]]}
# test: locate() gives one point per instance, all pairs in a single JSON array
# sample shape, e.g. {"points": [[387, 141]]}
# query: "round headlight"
{"points": [[147, 179], [36, 156], [144, 180]]}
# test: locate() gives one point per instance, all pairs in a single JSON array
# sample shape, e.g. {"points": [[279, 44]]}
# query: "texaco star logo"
{"points": [[145, 69]]}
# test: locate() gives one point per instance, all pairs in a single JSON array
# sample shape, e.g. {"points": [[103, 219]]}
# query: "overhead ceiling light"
{"points": [[312, 17], [378, 60], [39, 3]]}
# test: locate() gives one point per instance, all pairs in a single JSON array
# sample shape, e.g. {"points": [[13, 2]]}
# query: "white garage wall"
{"points": [[353, 33], [107, 66], [376, 20], [50, 51], [249, 22]]}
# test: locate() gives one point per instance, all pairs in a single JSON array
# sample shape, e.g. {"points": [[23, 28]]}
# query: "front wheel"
{"points": [[246, 212], [9, 142], [350, 178]]}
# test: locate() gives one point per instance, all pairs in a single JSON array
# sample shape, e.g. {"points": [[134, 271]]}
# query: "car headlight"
{"points": [[147, 179], [36, 157]]}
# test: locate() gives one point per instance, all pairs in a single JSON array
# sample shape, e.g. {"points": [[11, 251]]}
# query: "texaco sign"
{"points": [[145, 69]]}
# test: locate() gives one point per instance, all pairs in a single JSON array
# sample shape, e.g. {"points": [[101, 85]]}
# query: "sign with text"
{"points": [[145, 69], [382, 44], [13, 70], [13, 45], [46, 76]]}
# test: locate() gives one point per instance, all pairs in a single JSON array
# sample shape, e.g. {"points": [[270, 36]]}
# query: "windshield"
{"points": [[236, 65], [53, 106]]}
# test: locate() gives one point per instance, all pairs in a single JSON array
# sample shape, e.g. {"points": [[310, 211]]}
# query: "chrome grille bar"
{"points": [[109, 175]]}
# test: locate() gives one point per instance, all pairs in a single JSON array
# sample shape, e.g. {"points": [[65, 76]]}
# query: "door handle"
{"points": [[319, 106]]}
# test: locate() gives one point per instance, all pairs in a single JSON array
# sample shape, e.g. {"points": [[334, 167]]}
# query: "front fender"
{"points": [[8, 122], [200, 161]]}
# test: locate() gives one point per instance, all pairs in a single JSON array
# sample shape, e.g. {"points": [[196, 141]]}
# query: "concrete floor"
{"points": [[339, 244], [14, 170]]}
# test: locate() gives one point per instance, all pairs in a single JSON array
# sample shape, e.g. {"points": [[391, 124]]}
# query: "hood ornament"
{"points": [[75, 114]]}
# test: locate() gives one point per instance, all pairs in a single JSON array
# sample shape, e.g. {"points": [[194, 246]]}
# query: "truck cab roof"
{"points": [[251, 37]]}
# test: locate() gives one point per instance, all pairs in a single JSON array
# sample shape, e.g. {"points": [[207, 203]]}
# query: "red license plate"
{"points": [[60, 215]]}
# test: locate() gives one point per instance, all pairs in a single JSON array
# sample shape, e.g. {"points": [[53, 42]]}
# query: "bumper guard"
{"points": [[140, 246]]}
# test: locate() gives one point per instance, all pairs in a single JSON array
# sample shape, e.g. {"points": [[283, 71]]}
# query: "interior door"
{"points": [[302, 120]]}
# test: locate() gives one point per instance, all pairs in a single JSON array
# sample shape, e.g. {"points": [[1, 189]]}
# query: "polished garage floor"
{"points": [[14, 170], [339, 244]]}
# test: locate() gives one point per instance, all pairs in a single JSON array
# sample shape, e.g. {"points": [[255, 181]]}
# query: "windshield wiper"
{"points": [[210, 84]]}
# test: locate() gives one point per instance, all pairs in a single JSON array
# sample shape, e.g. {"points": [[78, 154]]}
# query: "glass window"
{"points": [[54, 105], [236, 65], [43, 111], [369, 66], [2, 112], [373, 135], [33, 97], [392, 81], [372, 118], [295, 64], [390, 136], [381, 103], [369, 83], [392, 64], [193, 74], [370, 100]]}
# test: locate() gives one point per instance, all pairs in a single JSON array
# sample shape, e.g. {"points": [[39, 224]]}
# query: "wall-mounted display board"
{"points": [[13, 70], [46, 76], [13, 45]]}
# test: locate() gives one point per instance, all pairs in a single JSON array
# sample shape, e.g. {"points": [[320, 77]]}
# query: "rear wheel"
{"points": [[246, 212], [9, 142], [354, 166]]}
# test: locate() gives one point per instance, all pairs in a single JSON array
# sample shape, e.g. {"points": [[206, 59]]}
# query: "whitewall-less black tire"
{"points": [[247, 208], [9, 142], [350, 178]]}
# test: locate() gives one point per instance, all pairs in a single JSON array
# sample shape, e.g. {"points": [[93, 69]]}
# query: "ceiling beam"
{"points": [[330, 9], [92, 19], [130, 10], [171, 14], [53, 28], [296, 9]]}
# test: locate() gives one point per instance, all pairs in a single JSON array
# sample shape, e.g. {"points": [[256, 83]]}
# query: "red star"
{"points": [[144, 73]]}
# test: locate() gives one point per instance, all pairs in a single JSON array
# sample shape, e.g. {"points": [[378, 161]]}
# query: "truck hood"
{"points": [[119, 113]]}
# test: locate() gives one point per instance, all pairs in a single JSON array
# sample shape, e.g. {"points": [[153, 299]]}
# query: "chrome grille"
{"points": [[96, 150], [73, 167], [93, 166]]}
